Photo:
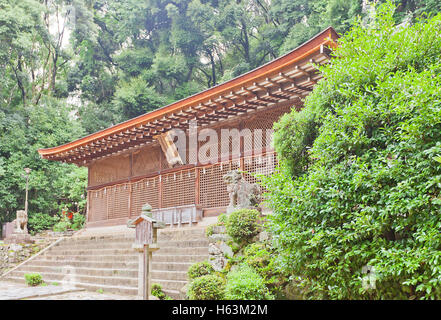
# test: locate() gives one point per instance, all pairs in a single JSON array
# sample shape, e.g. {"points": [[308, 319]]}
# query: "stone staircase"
{"points": [[108, 262], [178, 251]]}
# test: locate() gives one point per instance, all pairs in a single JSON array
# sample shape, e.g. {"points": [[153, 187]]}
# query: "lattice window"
{"points": [[212, 189], [97, 206], [145, 191], [259, 165], [263, 120], [178, 188], [118, 201]]}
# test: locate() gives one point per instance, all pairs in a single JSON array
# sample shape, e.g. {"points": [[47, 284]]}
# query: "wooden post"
{"points": [[196, 185], [145, 256], [145, 243]]}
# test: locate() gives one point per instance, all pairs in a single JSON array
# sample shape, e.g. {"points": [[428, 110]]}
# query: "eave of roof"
{"points": [[326, 37]]}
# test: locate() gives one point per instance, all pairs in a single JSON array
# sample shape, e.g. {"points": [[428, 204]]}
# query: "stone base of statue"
{"points": [[235, 208], [19, 238]]}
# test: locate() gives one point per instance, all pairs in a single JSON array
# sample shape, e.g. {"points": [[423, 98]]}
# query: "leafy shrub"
{"points": [[258, 257], [221, 220], [199, 269], [63, 225], [209, 230], [294, 135], [39, 222], [262, 258], [371, 192], [78, 221], [156, 290], [208, 287], [245, 283], [242, 225], [33, 279]]}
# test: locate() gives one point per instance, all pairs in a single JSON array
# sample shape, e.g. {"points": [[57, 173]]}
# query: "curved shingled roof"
{"points": [[288, 77]]}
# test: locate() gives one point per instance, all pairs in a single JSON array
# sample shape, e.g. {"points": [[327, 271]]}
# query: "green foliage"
{"points": [[135, 97], [221, 220], [39, 222], [199, 269], [208, 287], [262, 257], [244, 283], [370, 193], [62, 225], [78, 221], [294, 134], [156, 290], [33, 279], [242, 225]]}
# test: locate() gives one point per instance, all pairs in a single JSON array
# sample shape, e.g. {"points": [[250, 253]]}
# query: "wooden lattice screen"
{"points": [[212, 189], [178, 188], [144, 191]]}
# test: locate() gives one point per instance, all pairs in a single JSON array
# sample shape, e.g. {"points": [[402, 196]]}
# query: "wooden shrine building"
{"points": [[131, 163]]}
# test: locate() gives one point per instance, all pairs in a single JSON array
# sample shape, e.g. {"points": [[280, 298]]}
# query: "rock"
{"points": [[15, 247], [213, 249], [263, 236], [218, 229], [226, 250], [153, 298], [218, 262], [218, 237]]}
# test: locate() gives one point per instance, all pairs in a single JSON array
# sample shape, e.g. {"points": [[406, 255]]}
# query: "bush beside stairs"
{"points": [[108, 262]]}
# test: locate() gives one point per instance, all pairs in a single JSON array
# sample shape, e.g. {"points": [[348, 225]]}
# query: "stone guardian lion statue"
{"points": [[21, 223]]}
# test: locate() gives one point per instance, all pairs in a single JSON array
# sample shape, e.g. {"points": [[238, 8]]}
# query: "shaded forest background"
{"points": [[71, 67]]}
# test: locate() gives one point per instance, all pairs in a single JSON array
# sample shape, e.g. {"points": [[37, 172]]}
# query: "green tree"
{"points": [[369, 196]]}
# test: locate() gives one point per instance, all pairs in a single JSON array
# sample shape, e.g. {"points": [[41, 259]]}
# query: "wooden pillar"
{"points": [[197, 186], [241, 159], [129, 205], [88, 206], [160, 187], [161, 157], [130, 200]]}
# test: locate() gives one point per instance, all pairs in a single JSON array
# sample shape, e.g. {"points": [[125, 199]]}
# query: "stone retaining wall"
{"points": [[13, 254]]}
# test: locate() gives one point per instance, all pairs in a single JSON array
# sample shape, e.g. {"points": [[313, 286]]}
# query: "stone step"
{"points": [[101, 239], [195, 233], [169, 275], [170, 266], [182, 244], [179, 258], [170, 284], [182, 251], [84, 264], [131, 273], [97, 280], [130, 292], [86, 246], [90, 252], [90, 257]]}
